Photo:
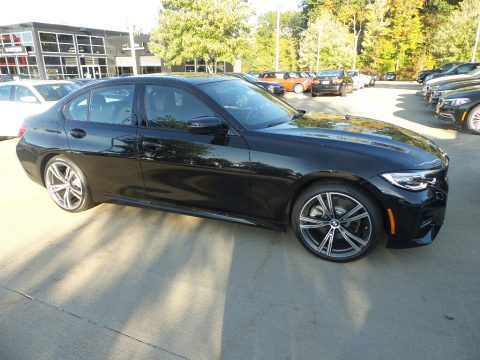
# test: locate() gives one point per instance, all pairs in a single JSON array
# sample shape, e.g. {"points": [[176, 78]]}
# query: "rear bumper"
{"points": [[324, 88]]}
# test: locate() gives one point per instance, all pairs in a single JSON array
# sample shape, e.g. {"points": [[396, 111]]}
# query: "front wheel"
{"points": [[67, 185], [343, 91], [337, 221], [473, 120], [298, 89]]}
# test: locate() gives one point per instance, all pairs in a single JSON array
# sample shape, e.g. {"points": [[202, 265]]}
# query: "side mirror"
{"points": [[208, 125], [28, 99]]}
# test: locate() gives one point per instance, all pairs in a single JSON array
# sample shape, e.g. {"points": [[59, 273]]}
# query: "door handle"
{"points": [[78, 133], [152, 145]]}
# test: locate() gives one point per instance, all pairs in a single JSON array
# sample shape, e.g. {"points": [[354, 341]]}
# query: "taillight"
{"points": [[22, 130], [316, 82], [338, 80]]}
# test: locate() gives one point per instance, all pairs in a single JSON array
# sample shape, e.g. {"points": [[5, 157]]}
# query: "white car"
{"points": [[358, 81], [19, 99]]}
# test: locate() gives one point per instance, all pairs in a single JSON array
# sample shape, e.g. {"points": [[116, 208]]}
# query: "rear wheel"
{"points": [[313, 94], [67, 185], [473, 120], [299, 89], [337, 221]]}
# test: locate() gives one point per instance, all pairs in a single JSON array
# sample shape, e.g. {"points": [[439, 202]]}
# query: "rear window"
{"points": [[331, 73], [54, 92]]}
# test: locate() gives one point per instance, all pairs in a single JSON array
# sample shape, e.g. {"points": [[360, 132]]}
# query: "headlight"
{"points": [[456, 102], [438, 93], [428, 77], [271, 87], [412, 180]]}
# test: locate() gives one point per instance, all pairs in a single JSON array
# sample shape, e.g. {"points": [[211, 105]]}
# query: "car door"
{"points": [[101, 130], [182, 168]]}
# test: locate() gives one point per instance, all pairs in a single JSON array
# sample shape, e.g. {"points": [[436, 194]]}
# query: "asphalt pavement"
{"points": [[119, 282]]}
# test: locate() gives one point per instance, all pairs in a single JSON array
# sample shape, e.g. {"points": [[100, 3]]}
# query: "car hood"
{"points": [[472, 91], [373, 137], [268, 83], [449, 78], [458, 85]]}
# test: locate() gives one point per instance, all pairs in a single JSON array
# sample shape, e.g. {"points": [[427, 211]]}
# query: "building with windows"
{"points": [[50, 51]]}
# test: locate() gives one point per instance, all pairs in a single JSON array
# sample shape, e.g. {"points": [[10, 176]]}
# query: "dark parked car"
{"points": [[390, 76], [459, 69], [424, 73], [439, 91], [222, 148], [332, 81], [461, 108], [273, 87]]}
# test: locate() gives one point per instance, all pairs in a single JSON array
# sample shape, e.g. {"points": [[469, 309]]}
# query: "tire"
{"points": [[343, 91], [313, 94], [67, 185], [337, 221], [473, 120], [298, 88]]}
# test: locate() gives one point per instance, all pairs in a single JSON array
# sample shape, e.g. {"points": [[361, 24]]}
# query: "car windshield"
{"points": [[253, 107], [249, 77], [353, 73], [54, 92], [330, 73]]}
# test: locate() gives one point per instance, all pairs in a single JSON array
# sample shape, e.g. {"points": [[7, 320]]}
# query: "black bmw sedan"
{"points": [[461, 109], [222, 148]]}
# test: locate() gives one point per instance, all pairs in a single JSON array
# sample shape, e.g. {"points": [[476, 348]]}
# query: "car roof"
{"points": [[36, 82], [191, 78]]}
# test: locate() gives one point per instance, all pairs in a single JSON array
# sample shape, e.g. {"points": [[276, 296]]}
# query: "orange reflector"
{"points": [[463, 116], [392, 221]]}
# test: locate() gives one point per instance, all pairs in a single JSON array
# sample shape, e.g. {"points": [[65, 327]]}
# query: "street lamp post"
{"points": [[132, 48], [277, 45], [475, 47]]}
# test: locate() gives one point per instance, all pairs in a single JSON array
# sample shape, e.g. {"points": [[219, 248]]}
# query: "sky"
{"points": [[106, 14]]}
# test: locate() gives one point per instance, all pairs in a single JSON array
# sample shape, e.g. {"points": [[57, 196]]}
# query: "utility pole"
{"points": [[277, 46], [475, 47], [318, 45], [132, 48]]}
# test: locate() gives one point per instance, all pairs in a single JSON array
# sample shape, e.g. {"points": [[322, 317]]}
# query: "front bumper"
{"points": [[454, 115], [416, 216]]}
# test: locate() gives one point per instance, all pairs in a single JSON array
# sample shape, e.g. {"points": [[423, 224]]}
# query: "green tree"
{"points": [[262, 54], [405, 33], [213, 30], [377, 50], [335, 43], [455, 37]]}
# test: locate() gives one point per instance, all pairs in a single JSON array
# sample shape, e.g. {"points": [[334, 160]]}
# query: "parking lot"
{"points": [[119, 282]]}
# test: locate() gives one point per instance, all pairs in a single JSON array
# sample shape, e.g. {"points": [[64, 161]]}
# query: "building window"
{"points": [[23, 39], [90, 44], [53, 42], [61, 67]]}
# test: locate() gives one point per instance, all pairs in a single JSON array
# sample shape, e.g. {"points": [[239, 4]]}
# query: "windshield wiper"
{"points": [[275, 124]]}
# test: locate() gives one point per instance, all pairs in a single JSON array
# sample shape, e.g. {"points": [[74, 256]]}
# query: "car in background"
{"points": [[437, 91], [6, 78], [429, 85], [336, 81], [441, 69], [83, 82], [25, 98], [291, 80], [273, 87], [390, 76], [368, 79], [459, 69], [358, 81], [217, 147], [461, 109]]}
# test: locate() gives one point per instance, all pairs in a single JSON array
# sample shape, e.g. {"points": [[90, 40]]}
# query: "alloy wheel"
{"points": [[335, 226], [64, 186]]}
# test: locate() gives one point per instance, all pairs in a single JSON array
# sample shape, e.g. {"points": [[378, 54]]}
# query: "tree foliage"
{"points": [[335, 47], [213, 30], [455, 37]]}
